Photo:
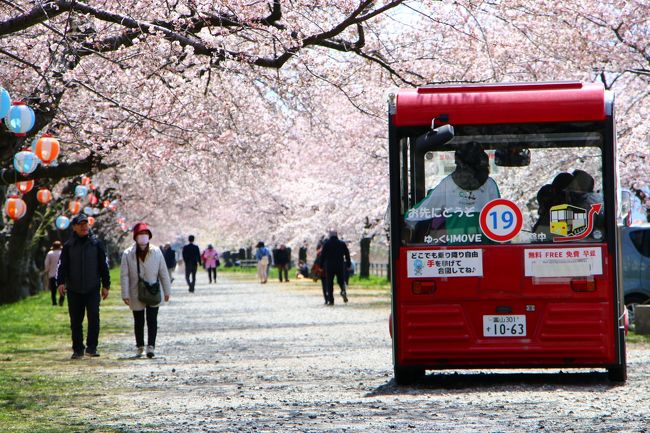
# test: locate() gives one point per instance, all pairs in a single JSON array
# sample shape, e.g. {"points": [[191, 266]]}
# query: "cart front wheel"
{"points": [[408, 375]]}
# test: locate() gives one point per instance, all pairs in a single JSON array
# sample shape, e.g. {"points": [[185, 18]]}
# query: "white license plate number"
{"points": [[504, 326]]}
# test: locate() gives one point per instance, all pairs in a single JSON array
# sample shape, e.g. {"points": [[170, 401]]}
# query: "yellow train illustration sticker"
{"points": [[572, 223]]}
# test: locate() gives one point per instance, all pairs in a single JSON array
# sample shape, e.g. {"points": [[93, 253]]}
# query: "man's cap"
{"points": [[562, 180], [471, 153], [260, 244], [141, 228], [79, 218]]}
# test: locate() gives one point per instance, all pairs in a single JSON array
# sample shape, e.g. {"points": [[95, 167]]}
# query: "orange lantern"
{"points": [[25, 186], [105, 203], [15, 207], [44, 196], [91, 221], [85, 180], [46, 148], [74, 207]]}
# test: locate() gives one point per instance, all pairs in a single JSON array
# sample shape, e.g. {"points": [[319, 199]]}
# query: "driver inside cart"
{"points": [[453, 206]]}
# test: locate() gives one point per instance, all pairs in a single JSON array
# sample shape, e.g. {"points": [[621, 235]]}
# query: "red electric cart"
{"points": [[519, 270]]}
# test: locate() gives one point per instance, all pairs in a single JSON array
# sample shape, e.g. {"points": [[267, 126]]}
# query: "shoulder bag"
{"points": [[148, 294]]}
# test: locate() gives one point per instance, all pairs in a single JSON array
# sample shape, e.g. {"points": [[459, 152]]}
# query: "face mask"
{"points": [[142, 240]]}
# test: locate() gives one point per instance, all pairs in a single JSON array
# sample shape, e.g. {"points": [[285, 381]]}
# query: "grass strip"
{"points": [[41, 389]]}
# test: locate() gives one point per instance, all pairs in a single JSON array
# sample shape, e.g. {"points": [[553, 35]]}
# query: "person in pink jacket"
{"points": [[210, 259]]}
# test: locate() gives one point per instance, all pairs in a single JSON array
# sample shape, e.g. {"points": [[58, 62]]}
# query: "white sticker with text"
{"points": [[563, 262], [444, 263]]}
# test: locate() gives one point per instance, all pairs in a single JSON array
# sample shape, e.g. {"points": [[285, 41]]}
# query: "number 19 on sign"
{"points": [[501, 220]]}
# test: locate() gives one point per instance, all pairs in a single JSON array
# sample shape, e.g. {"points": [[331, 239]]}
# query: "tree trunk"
{"points": [[364, 272], [20, 275]]}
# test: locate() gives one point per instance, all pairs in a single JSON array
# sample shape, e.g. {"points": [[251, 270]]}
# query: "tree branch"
{"points": [[93, 162]]}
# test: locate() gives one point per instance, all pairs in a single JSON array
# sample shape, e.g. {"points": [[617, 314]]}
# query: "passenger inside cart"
{"points": [[449, 212]]}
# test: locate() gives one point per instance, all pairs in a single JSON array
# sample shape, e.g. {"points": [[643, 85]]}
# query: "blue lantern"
{"points": [[80, 191], [20, 119], [25, 162], [62, 222], [5, 102]]}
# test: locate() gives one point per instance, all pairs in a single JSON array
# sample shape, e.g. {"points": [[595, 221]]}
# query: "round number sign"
{"points": [[501, 220]]}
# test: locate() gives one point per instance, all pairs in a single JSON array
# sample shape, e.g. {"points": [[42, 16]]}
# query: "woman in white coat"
{"points": [[152, 269]]}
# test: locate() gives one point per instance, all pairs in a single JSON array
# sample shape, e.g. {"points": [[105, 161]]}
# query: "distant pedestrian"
{"points": [[140, 261], [302, 252], [83, 270], [317, 270], [210, 258], [263, 257], [303, 271], [335, 259], [51, 265], [191, 258], [282, 262], [170, 260]]}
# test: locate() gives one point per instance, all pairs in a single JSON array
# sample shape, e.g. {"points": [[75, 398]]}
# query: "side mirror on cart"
{"points": [[513, 156], [437, 137]]}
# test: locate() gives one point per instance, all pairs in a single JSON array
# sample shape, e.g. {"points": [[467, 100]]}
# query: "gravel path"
{"points": [[240, 356]]}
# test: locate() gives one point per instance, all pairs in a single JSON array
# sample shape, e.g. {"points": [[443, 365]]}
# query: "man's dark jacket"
{"points": [[170, 257], [282, 257], [191, 255], [335, 255], [83, 265]]}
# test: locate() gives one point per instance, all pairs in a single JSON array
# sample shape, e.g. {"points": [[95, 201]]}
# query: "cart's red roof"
{"points": [[501, 103]]}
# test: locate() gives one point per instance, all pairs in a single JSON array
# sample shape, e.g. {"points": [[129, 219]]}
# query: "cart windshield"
{"points": [[505, 184]]}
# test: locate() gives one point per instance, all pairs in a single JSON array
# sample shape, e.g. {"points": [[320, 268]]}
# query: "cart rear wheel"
{"points": [[617, 374]]}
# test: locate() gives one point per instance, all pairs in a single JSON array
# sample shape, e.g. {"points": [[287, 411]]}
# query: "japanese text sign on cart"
{"points": [[444, 263]]}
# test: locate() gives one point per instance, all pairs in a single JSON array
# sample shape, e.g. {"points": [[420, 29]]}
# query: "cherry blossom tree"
{"points": [[241, 121]]}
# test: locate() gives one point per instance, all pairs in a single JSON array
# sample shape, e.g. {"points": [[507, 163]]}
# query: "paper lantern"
{"points": [[46, 148], [91, 221], [74, 207], [62, 222], [88, 210], [92, 199], [20, 119], [5, 102], [80, 191], [113, 206], [44, 196], [25, 186], [85, 180], [26, 162], [105, 203], [15, 207]]}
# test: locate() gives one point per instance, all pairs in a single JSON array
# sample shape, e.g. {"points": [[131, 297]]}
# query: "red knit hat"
{"points": [[141, 228]]}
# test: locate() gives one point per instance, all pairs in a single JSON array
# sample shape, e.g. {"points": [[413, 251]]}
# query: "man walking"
{"points": [[335, 259], [191, 258], [83, 269], [282, 262]]}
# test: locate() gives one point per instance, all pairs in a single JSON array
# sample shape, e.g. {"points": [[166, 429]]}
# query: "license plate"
{"points": [[504, 326]]}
